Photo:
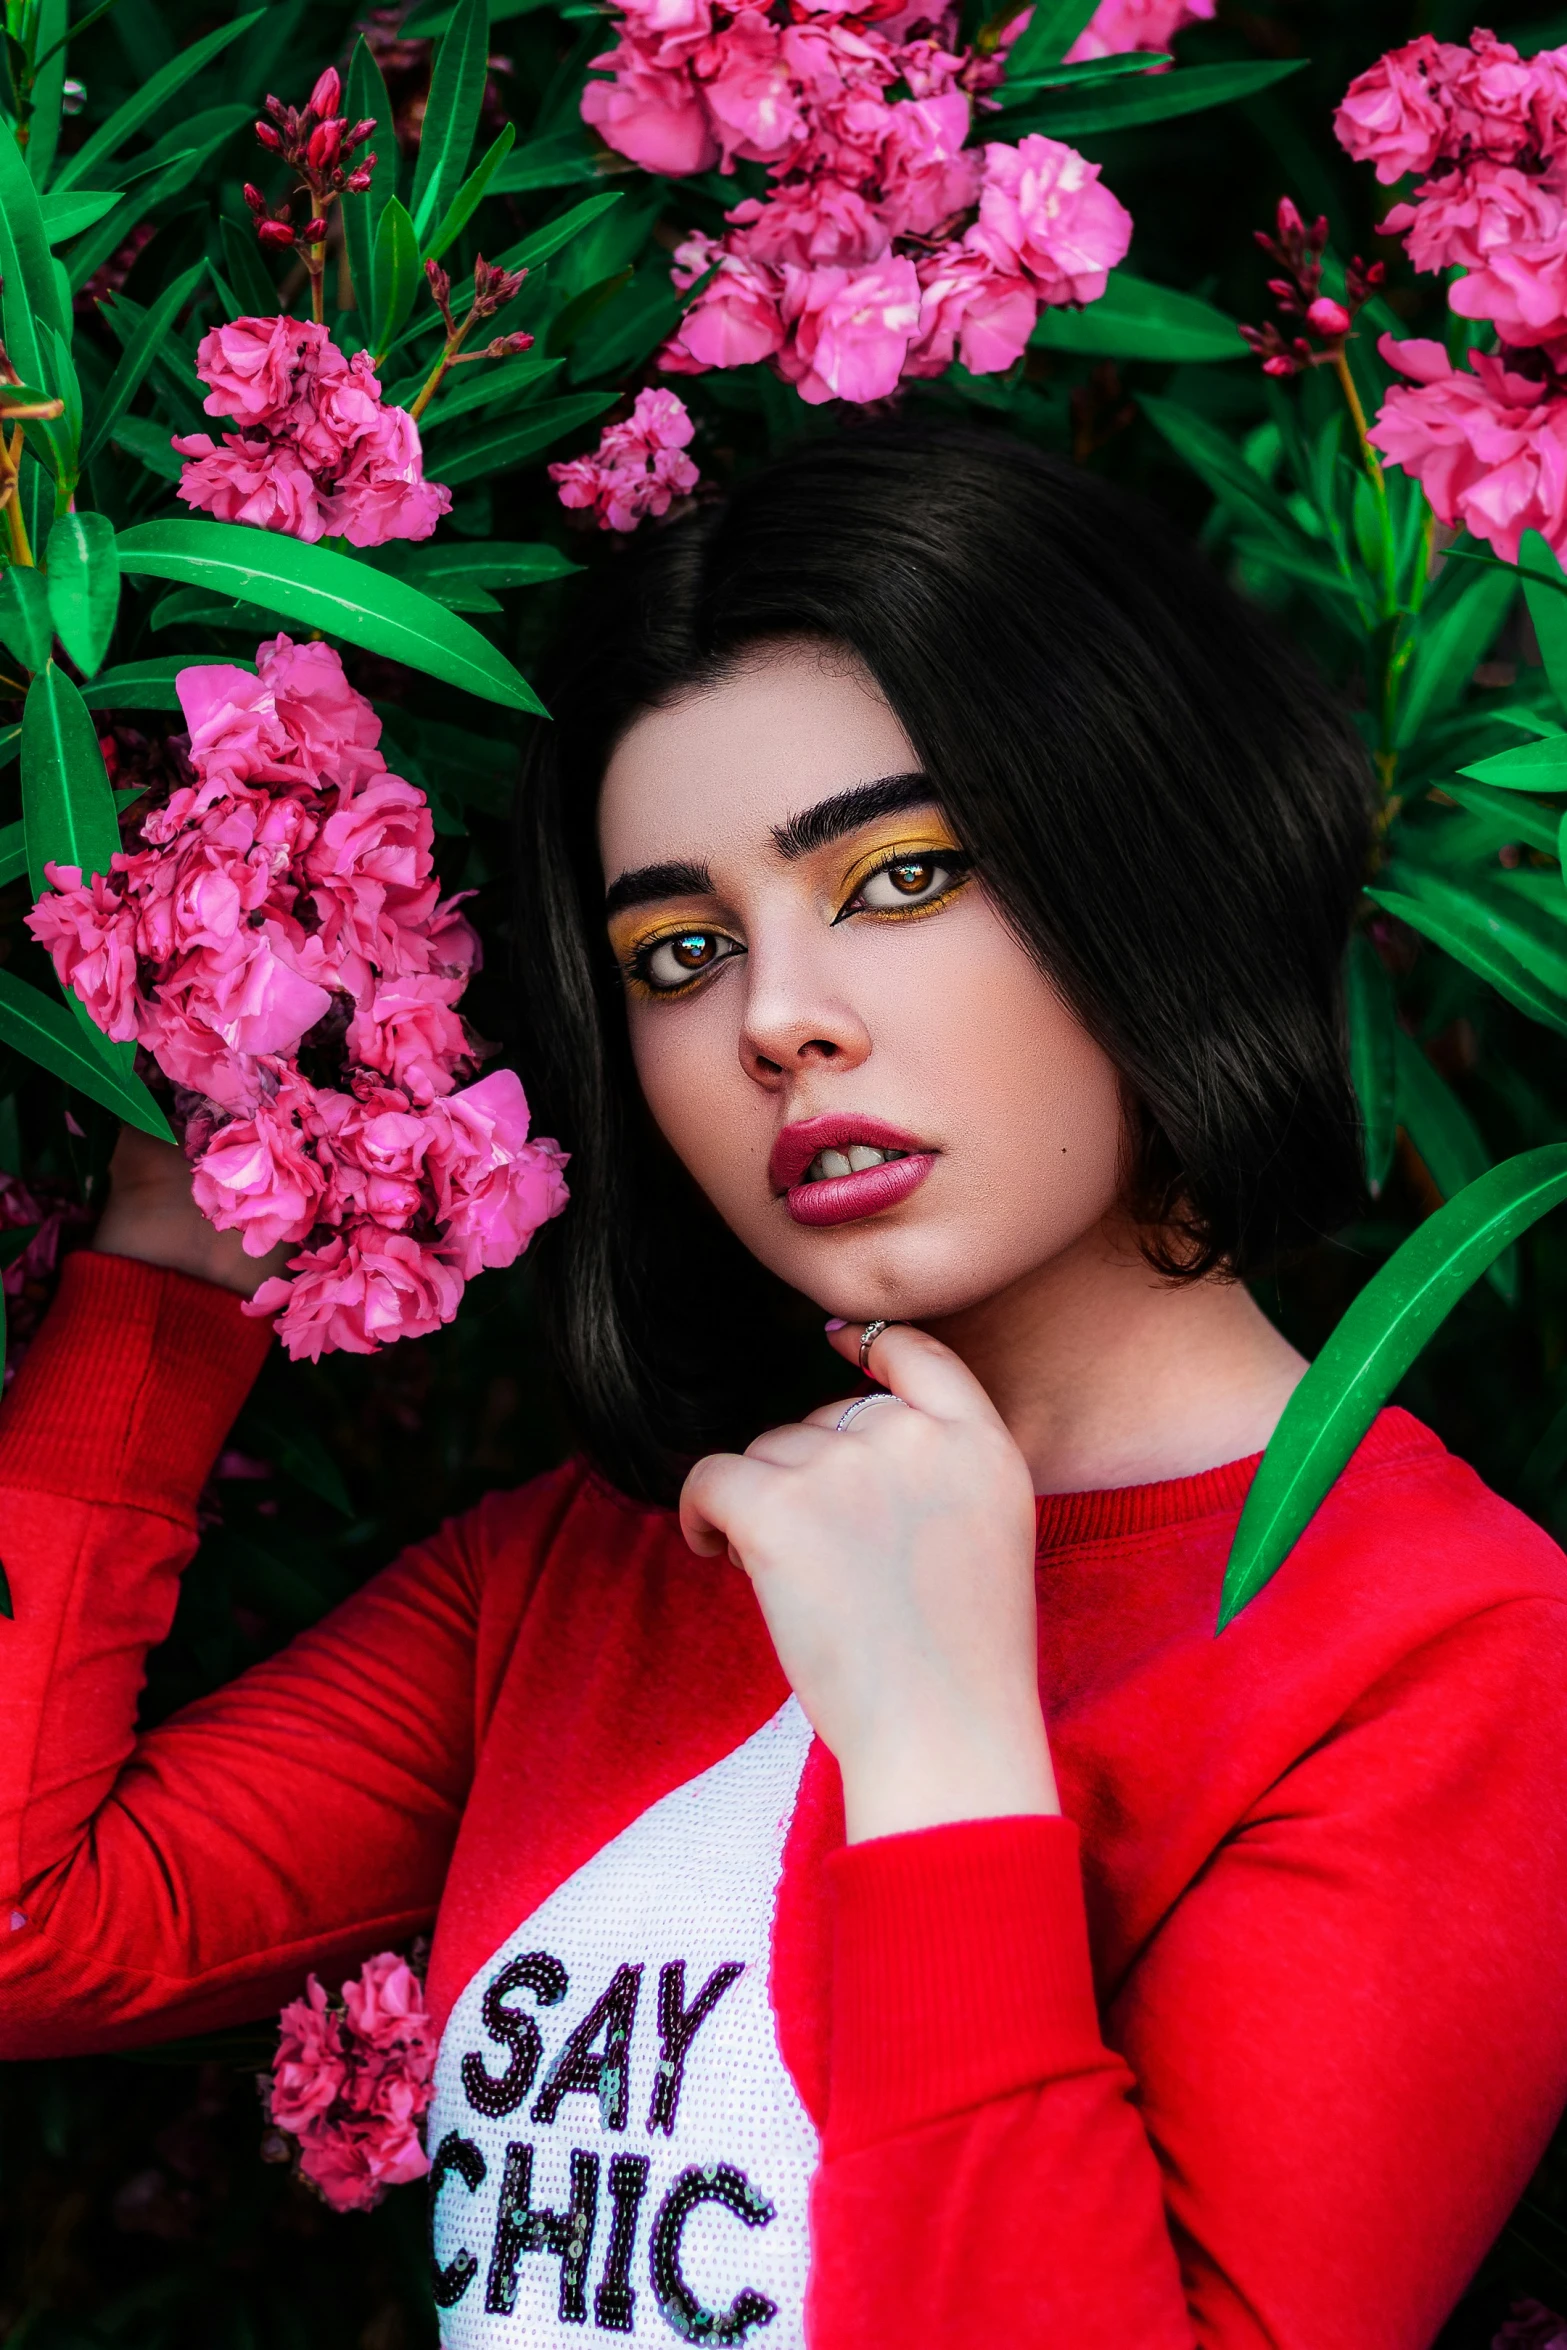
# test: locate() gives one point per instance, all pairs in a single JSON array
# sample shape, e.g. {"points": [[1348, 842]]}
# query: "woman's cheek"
{"points": [[687, 1060]]}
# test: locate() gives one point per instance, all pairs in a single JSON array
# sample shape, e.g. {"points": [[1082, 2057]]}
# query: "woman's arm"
{"points": [[1337, 2059], [190, 1877]]}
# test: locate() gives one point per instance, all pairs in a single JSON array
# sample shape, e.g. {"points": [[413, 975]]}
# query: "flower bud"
{"points": [[274, 232], [314, 231], [440, 284], [321, 149], [1290, 223], [1280, 364], [360, 132], [1327, 317], [255, 199], [268, 137], [327, 94], [358, 181]]}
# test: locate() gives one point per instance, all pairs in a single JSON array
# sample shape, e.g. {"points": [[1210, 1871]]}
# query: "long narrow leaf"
{"points": [[395, 274], [470, 195], [1515, 818], [52, 31], [452, 114], [366, 100], [530, 251], [1538, 766], [84, 586], [1449, 1142], [1384, 1330], [32, 309], [67, 803], [1472, 945], [66, 216], [1048, 35], [13, 852], [45, 1032], [1150, 98], [1215, 457], [1449, 651], [1373, 1056], [489, 563], [1134, 319], [326, 590], [144, 103], [138, 355], [539, 428], [149, 685]]}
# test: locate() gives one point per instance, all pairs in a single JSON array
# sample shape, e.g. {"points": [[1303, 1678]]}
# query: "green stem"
{"points": [[433, 381]]}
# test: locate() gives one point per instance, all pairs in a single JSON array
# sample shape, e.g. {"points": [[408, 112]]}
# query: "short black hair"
{"points": [[1163, 801]]}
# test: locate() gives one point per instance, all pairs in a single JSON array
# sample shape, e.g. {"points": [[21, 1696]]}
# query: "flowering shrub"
{"points": [[885, 246], [283, 910], [351, 2083], [318, 452], [638, 468]]}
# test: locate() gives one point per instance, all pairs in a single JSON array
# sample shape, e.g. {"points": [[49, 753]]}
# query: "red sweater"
{"points": [[1257, 2046]]}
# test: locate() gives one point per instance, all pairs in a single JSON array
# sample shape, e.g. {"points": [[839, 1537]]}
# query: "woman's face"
{"points": [[873, 1083]]}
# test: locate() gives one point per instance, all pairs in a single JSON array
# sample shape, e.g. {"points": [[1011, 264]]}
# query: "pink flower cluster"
{"points": [[885, 246], [638, 468], [1117, 27], [1490, 128], [318, 453], [351, 2083], [284, 911]]}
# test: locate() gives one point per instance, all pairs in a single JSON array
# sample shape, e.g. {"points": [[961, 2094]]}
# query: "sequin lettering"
{"points": [[615, 2300], [498, 2095], [567, 2235], [581, 2069], [458, 2154], [683, 2313], [678, 2026]]}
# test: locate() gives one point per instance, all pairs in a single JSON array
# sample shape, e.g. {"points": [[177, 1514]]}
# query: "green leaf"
{"points": [[67, 805], [65, 216], [52, 29], [1449, 1142], [1373, 1053], [1516, 819], [1017, 89], [149, 685], [149, 443], [323, 589], [1447, 651], [44, 1031], [1538, 766], [557, 161], [488, 563], [628, 329], [1215, 456], [1149, 98], [247, 273], [84, 586], [146, 341], [545, 242], [13, 852], [452, 114], [483, 386], [539, 428], [1135, 319], [366, 98], [25, 625], [32, 309], [1475, 939], [1048, 35], [144, 103], [470, 195], [395, 273], [1374, 1345]]}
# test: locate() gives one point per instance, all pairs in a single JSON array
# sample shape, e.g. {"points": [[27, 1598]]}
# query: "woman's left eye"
{"points": [[910, 882]]}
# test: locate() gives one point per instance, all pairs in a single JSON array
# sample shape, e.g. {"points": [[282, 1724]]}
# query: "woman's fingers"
{"points": [[719, 1498], [917, 1369]]}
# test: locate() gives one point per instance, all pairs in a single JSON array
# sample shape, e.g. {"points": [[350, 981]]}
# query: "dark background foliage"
{"points": [[134, 2207]]}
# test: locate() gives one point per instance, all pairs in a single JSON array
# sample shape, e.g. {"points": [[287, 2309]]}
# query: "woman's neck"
{"points": [[1108, 1375]]}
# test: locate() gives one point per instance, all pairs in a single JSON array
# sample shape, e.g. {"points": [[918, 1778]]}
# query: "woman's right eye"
{"points": [[667, 965]]}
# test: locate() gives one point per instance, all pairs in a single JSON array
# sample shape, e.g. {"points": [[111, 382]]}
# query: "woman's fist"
{"points": [[150, 1214], [894, 1563]]}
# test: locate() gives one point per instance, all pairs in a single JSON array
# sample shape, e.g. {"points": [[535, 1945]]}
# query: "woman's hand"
{"points": [[894, 1563], [150, 1214]]}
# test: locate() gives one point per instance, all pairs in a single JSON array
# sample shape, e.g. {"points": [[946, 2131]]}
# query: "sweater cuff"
{"points": [[130, 1386], [960, 1973]]}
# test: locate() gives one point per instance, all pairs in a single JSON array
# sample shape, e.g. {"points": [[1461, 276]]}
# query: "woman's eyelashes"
{"points": [[909, 878]]}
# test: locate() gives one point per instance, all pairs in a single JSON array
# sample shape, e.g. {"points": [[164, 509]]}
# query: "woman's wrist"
{"points": [[151, 1215], [931, 1774]]}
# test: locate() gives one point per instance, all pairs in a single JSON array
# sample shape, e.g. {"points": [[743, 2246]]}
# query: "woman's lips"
{"points": [[843, 1199]]}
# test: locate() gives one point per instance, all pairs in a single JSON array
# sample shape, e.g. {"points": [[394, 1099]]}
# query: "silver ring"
{"points": [[863, 1403], [868, 1337]]}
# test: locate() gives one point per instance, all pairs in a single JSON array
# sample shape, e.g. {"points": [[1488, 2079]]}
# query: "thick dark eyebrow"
{"points": [[812, 829], [646, 884], [830, 820]]}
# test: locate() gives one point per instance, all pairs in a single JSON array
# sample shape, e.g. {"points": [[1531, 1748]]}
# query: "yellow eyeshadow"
{"points": [[628, 938], [897, 848]]}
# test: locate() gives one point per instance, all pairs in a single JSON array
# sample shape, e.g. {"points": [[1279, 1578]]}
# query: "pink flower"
{"points": [[1395, 115], [261, 482], [1489, 448], [1120, 26], [1508, 232], [353, 2083], [1044, 211], [1500, 104], [638, 468], [493, 1187], [734, 322], [90, 932], [257, 367], [310, 2069], [851, 330], [651, 114], [381, 493], [259, 1176], [408, 1032], [750, 92], [970, 308], [359, 1291]]}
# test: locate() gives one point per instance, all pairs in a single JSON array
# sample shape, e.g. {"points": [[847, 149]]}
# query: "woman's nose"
{"points": [[791, 1023]]}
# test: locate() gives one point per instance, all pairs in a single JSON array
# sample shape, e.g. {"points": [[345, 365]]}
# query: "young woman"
{"points": [[871, 1908]]}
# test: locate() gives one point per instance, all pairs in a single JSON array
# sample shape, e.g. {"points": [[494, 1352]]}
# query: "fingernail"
{"points": [[835, 1322]]}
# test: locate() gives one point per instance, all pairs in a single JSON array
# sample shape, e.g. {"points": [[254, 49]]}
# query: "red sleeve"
{"points": [[1339, 2057], [299, 1818]]}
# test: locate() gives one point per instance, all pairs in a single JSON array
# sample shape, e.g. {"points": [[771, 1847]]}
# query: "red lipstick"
{"points": [[844, 1199]]}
